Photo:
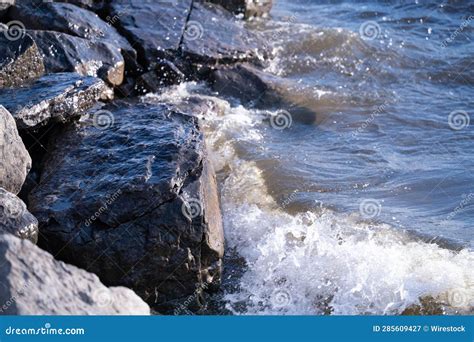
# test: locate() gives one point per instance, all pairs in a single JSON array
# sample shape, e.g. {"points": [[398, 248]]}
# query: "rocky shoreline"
{"points": [[119, 195]]}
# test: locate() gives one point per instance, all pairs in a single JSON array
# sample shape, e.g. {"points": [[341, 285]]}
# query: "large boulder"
{"points": [[214, 35], [155, 28], [134, 200], [20, 60], [15, 162], [54, 97], [15, 218], [65, 53], [32, 282], [73, 20], [250, 8]]}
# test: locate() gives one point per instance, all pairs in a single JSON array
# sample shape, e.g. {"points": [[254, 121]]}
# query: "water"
{"points": [[367, 206]]}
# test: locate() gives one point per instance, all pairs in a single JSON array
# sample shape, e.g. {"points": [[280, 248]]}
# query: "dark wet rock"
{"points": [[73, 20], [31, 181], [127, 88], [165, 73], [4, 6], [155, 28], [135, 199], [250, 8], [91, 5], [54, 97], [248, 84], [15, 218], [20, 60], [213, 35], [255, 88], [65, 53], [32, 282], [15, 161]]}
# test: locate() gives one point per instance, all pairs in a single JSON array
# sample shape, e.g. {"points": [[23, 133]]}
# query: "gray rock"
{"points": [[73, 20], [56, 97], [65, 53], [250, 8], [213, 35], [20, 60], [32, 282], [15, 162], [134, 200], [155, 28], [15, 218]]}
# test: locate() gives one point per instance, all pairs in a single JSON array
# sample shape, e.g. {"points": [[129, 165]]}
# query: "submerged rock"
{"points": [[32, 282], [73, 20], [250, 8], [247, 84], [258, 89], [15, 218], [56, 97], [155, 28], [65, 53], [15, 161], [20, 60], [132, 197], [213, 35]]}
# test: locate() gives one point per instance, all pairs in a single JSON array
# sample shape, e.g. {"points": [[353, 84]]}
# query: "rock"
{"points": [[4, 6], [72, 20], [258, 89], [15, 161], [15, 218], [165, 73], [65, 53], [213, 35], [32, 282], [55, 97], [250, 8], [135, 201], [155, 28], [20, 60], [91, 5], [247, 84]]}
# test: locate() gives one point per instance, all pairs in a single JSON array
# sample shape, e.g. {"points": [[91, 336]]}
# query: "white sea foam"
{"points": [[317, 262]]}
